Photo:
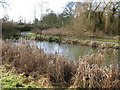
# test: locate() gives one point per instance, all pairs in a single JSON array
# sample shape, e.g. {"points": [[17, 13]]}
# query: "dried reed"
{"points": [[25, 57]]}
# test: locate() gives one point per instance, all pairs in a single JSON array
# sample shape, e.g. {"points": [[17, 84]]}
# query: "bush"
{"points": [[9, 30], [23, 28], [88, 72]]}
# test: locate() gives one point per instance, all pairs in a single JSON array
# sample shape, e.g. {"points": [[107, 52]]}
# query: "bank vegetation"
{"points": [[53, 70]]}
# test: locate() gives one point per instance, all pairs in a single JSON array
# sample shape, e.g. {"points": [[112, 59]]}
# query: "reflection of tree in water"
{"points": [[76, 51], [111, 56]]}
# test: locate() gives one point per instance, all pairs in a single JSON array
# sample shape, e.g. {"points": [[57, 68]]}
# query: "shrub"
{"points": [[8, 29], [88, 72]]}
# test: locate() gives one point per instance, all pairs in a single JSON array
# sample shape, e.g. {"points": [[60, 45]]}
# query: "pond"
{"points": [[76, 51]]}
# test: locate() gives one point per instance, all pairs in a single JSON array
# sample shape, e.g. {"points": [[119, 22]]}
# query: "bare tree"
{"points": [[39, 25], [3, 3], [97, 17]]}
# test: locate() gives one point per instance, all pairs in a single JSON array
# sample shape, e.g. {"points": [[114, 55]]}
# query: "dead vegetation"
{"points": [[59, 32], [52, 69]]}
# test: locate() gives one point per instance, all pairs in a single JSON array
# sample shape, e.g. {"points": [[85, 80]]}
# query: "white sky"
{"points": [[26, 8]]}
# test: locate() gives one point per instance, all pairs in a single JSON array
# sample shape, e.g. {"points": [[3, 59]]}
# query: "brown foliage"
{"points": [[26, 58]]}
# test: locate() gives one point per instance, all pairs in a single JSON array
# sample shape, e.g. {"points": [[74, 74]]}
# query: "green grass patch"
{"points": [[75, 37], [14, 81], [31, 33]]}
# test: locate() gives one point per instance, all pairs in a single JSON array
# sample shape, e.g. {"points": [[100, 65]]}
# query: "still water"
{"points": [[76, 51]]}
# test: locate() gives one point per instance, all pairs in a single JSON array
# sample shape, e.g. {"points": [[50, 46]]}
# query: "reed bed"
{"points": [[88, 72]]}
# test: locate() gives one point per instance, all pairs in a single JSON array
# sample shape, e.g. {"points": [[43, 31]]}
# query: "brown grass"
{"points": [[91, 74], [72, 32], [26, 58], [60, 32]]}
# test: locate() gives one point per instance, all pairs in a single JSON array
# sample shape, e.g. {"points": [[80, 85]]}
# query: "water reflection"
{"points": [[74, 51]]}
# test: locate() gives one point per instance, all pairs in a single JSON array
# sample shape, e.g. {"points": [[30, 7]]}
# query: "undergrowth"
{"points": [[54, 70]]}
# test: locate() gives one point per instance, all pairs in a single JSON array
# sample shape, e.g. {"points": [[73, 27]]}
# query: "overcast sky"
{"points": [[26, 8]]}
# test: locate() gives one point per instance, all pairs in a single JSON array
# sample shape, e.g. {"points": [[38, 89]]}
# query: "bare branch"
{"points": [[4, 3], [97, 6]]}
